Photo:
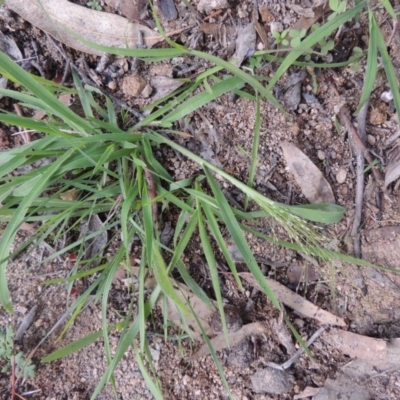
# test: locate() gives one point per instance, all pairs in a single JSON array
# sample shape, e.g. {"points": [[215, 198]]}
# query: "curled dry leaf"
{"points": [[60, 17], [310, 179]]}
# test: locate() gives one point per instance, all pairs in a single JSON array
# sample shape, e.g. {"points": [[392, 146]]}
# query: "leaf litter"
{"points": [[279, 175]]}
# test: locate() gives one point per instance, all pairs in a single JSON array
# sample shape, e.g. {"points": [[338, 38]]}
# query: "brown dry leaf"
{"points": [[64, 98], [307, 22], [296, 302], [219, 342], [266, 15], [303, 12], [131, 9], [370, 350], [310, 179], [70, 195], [392, 172], [59, 17]]}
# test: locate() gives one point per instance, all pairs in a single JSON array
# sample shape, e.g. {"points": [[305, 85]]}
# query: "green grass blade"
{"points": [[78, 344], [213, 226], [212, 266], [323, 212], [372, 62], [203, 98], [155, 391], [161, 275], [239, 239], [15, 222], [389, 69], [240, 74], [254, 151], [26, 80]]}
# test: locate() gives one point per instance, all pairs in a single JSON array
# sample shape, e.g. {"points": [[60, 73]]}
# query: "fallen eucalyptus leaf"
{"points": [[310, 179], [60, 17]]}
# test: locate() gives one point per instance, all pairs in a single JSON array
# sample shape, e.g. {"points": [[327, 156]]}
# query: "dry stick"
{"points": [[298, 353], [344, 115], [26, 137], [152, 190], [12, 377], [361, 121]]}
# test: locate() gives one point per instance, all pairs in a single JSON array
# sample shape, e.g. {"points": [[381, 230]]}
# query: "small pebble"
{"points": [[341, 176], [387, 96], [371, 139], [112, 85], [38, 323], [321, 155]]}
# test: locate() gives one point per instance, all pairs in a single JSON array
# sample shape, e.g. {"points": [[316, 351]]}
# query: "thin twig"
{"points": [[359, 198], [344, 115], [12, 377], [298, 353], [25, 135], [26, 323]]}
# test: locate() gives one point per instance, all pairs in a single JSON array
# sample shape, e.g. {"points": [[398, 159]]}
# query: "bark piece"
{"points": [[296, 302], [60, 17]]}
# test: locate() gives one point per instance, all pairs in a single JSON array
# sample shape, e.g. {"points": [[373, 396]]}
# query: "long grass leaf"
{"points": [[15, 222], [372, 62], [239, 239], [203, 98], [389, 69], [37, 89], [212, 266]]}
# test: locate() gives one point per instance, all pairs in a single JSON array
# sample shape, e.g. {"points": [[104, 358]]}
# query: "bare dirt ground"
{"points": [[368, 300]]}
